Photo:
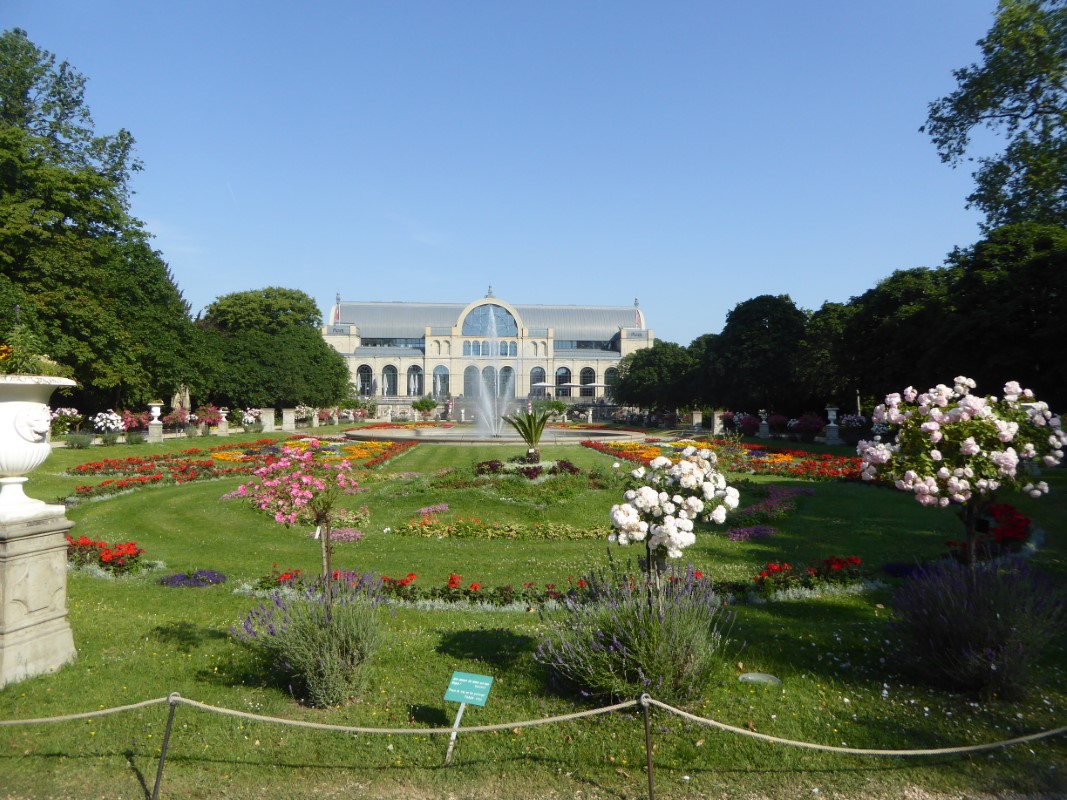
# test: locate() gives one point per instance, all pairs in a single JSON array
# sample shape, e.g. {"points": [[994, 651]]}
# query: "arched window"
{"points": [[503, 348], [470, 382], [485, 349], [440, 382], [563, 375], [537, 375], [587, 376], [365, 380], [476, 348], [389, 376], [489, 381], [415, 382], [466, 348], [513, 349], [490, 319], [611, 377], [507, 382]]}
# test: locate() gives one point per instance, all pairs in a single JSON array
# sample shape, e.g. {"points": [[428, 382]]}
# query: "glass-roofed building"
{"points": [[448, 350]]}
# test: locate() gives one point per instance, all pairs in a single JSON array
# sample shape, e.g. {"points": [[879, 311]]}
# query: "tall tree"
{"points": [[78, 265], [889, 333], [264, 349], [1007, 321], [1020, 91], [758, 348], [657, 377]]}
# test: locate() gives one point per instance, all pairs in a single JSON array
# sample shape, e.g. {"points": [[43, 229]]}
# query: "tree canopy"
{"points": [[1018, 90], [656, 377], [75, 262], [263, 348]]}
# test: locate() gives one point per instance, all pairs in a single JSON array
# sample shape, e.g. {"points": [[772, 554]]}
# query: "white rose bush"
{"points": [[956, 448], [672, 497]]}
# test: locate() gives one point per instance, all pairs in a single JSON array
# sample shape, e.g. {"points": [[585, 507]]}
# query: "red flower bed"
{"points": [[120, 558]]}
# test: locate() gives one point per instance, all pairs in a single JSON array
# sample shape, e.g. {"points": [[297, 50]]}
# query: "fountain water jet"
{"points": [[495, 394]]}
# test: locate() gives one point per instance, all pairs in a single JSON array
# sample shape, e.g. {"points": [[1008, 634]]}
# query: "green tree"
{"points": [[268, 310], [1007, 317], [821, 357], [1019, 91], [657, 377], [74, 260], [758, 348], [263, 348], [889, 335]]}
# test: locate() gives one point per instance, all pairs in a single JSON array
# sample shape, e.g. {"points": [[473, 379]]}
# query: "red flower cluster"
{"points": [[782, 575], [1008, 530], [400, 582], [118, 559]]}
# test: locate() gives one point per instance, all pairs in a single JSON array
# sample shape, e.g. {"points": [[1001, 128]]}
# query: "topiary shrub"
{"points": [[977, 628], [631, 637]]}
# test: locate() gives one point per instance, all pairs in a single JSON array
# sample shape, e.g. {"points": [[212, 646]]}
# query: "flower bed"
{"points": [[236, 459], [120, 558], [457, 526]]}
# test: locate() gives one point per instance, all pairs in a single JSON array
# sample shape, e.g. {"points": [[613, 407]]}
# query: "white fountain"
{"points": [[494, 395]]}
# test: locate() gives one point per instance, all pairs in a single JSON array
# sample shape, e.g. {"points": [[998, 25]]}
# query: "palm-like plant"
{"points": [[529, 425]]}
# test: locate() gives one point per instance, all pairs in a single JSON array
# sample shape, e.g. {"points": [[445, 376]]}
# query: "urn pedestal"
{"points": [[35, 636]]}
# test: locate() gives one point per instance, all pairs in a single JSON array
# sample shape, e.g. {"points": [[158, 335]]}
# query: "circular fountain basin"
{"points": [[468, 433]]}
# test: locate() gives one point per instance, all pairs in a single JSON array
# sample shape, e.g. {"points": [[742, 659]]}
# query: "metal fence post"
{"points": [[648, 746], [173, 700]]}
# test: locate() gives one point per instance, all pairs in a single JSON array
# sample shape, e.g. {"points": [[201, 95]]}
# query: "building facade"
{"points": [[397, 352]]}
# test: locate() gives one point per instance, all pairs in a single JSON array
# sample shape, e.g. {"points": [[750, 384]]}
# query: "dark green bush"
{"points": [[977, 629], [79, 441]]}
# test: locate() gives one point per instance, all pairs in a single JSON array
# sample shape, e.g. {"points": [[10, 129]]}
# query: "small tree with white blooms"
{"points": [[661, 512]]}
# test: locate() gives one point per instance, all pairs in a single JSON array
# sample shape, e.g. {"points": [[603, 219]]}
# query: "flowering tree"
{"points": [[672, 496], [957, 448], [298, 489]]}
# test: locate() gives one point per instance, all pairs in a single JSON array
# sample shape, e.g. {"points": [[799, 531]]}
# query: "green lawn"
{"points": [[139, 640]]}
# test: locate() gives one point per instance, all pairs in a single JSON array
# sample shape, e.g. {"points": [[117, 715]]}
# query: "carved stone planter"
{"points": [[24, 423], [35, 636]]}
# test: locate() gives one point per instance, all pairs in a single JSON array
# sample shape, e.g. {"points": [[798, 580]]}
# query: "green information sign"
{"points": [[468, 688]]}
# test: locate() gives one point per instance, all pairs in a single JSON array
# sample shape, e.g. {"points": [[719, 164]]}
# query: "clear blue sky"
{"points": [[689, 154]]}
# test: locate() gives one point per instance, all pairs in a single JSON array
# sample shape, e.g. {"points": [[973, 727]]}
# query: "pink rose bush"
{"points": [[954, 447]]}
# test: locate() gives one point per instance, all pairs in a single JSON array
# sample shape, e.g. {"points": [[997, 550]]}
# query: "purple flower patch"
{"points": [[754, 532]]}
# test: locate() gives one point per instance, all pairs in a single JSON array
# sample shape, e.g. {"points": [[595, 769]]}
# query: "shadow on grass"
{"points": [[499, 647], [185, 636]]}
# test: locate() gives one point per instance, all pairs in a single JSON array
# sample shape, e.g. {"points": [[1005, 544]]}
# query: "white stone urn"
{"points": [[24, 424]]}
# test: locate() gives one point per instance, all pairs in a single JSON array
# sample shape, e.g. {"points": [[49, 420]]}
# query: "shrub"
{"points": [[319, 651], [977, 628], [631, 637], [79, 441]]}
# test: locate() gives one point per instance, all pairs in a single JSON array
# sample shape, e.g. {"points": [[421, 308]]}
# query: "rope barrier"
{"points": [[176, 699], [87, 715], [321, 726], [858, 751]]}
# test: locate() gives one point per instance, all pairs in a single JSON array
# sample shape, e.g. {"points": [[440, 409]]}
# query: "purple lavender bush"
{"points": [[977, 628], [630, 636], [319, 650]]}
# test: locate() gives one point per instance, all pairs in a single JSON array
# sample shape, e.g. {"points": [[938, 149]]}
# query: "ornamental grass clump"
{"points": [[977, 628], [628, 636], [317, 649]]}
